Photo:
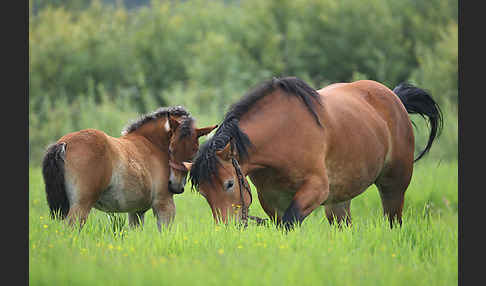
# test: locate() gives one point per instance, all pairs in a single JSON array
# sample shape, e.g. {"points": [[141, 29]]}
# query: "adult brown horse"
{"points": [[140, 170], [304, 148]]}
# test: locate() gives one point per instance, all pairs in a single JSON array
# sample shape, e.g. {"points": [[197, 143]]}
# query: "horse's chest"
{"points": [[278, 199], [274, 190]]}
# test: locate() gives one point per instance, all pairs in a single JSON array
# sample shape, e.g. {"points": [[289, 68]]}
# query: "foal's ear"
{"points": [[188, 165], [204, 131], [173, 123]]}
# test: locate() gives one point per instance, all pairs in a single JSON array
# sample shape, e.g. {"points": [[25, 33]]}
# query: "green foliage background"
{"points": [[99, 64]]}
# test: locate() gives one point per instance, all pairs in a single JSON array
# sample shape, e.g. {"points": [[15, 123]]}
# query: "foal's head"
{"points": [[173, 130], [183, 146]]}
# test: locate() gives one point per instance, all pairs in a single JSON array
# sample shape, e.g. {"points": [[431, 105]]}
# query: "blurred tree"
{"points": [[119, 57]]}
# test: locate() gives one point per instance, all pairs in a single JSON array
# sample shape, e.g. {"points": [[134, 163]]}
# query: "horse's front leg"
{"points": [[164, 210], [136, 219], [309, 196]]}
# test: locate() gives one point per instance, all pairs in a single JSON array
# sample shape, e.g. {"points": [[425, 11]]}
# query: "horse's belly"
{"points": [[112, 200], [351, 176], [341, 193], [121, 196]]}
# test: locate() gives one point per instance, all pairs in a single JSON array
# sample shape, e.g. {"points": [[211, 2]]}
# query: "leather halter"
{"points": [[241, 183], [177, 166], [174, 165]]}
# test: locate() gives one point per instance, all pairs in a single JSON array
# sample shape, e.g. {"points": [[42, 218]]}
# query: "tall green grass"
{"points": [[195, 251]]}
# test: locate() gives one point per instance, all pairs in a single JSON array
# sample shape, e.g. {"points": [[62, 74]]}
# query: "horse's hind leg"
{"points": [[392, 187], [83, 197], [78, 213], [340, 212], [392, 202], [136, 219]]}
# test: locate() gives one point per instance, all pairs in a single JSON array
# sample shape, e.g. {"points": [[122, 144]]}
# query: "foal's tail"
{"points": [[53, 173], [418, 101]]}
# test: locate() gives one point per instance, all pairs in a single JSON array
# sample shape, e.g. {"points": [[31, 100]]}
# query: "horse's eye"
{"points": [[228, 185]]}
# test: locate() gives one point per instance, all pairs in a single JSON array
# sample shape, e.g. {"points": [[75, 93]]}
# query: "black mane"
{"points": [[205, 162], [161, 112]]}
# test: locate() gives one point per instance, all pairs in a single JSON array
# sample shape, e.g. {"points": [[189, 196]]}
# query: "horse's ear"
{"points": [[204, 131], [173, 124], [188, 165], [225, 153]]}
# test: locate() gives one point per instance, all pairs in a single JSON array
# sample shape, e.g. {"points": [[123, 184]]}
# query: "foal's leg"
{"points": [[78, 213], [340, 212], [136, 219], [309, 196], [84, 198], [164, 211]]}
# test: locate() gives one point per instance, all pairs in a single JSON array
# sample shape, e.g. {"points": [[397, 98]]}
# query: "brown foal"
{"points": [[140, 170]]}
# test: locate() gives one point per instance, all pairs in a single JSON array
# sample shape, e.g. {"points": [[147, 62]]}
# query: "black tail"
{"points": [[418, 101], [53, 173]]}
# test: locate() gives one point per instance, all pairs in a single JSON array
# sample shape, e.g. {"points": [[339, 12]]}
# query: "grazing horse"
{"points": [[140, 170], [304, 148]]}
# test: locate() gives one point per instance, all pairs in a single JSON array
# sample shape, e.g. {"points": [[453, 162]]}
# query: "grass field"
{"points": [[195, 251]]}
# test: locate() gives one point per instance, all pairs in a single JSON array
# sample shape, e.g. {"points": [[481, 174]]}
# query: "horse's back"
{"points": [[370, 101], [85, 146]]}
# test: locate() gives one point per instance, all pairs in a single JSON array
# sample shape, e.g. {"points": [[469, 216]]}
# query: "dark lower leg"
{"points": [[392, 208], [339, 212], [293, 215], [307, 199], [136, 219]]}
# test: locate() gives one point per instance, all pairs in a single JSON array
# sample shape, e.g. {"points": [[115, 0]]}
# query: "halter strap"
{"points": [[177, 166], [172, 164], [242, 184]]}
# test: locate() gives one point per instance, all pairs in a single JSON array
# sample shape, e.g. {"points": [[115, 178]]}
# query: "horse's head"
{"points": [[183, 146], [224, 189]]}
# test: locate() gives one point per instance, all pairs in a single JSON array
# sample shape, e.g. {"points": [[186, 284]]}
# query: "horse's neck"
{"points": [[155, 133], [263, 131]]}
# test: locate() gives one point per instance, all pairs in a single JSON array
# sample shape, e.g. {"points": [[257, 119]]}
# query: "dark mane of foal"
{"points": [[205, 162], [185, 127]]}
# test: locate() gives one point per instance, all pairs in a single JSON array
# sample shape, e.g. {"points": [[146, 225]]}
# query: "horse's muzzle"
{"points": [[176, 188]]}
